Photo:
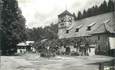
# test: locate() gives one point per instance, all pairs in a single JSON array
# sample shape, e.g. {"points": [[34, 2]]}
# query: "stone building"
{"points": [[97, 30]]}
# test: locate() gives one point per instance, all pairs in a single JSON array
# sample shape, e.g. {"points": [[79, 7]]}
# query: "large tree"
{"points": [[103, 8], [111, 5], [12, 26], [79, 15]]}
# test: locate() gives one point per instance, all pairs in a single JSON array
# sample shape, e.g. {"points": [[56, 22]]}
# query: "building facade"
{"points": [[96, 30]]}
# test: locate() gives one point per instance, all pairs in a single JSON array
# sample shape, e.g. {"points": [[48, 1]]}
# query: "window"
{"points": [[90, 25], [98, 37], [88, 28], [62, 24], [77, 30], [67, 31], [62, 20]]}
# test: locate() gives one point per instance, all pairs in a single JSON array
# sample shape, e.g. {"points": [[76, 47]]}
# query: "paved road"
{"points": [[57, 63]]}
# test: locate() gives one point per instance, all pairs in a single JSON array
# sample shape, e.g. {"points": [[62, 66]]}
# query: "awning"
{"points": [[21, 44]]}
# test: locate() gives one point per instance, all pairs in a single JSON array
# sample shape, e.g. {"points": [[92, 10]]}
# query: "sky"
{"points": [[40, 13]]}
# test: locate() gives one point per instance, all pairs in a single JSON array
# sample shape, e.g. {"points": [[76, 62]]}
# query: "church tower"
{"points": [[65, 20]]}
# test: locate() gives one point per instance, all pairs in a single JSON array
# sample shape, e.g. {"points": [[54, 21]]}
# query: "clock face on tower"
{"points": [[68, 19], [68, 25]]}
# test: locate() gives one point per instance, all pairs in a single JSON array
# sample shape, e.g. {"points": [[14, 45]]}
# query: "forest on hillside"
{"points": [[38, 34], [96, 10]]}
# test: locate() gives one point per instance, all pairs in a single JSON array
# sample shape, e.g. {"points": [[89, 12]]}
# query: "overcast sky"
{"points": [[43, 12]]}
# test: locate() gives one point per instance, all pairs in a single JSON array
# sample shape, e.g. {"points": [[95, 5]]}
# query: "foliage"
{"points": [[48, 32], [47, 47], [12, 26], [96, 10]]}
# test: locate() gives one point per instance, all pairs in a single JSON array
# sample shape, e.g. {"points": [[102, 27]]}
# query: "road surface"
{"points": [[57, 63]]}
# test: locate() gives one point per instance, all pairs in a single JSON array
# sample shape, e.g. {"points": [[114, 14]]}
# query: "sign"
{"points": [[112, 42], [109, 67]]}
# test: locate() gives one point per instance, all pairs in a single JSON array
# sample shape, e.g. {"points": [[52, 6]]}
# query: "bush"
{"points": [[47, 54], [74, 54]]}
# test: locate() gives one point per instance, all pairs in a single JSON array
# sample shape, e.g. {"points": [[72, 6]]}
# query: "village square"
{"points": [[83, 39]]}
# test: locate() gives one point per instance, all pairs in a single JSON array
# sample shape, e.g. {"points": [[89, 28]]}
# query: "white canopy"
{"points": [[25, 43], [21, 44]]}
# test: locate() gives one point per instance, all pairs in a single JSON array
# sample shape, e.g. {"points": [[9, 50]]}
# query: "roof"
{"points": [[26, 43], [66, 12], [21, 44], [42, 41], [99, 24], [101, 29], [29, 42]]}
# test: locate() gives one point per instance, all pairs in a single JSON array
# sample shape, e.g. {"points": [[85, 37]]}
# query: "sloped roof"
{"points": [[99, 27], [66, 12], [26, 43], [22, 44]]}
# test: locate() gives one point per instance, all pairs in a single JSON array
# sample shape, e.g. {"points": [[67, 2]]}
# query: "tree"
{"points": [[51, 31], [75, 17], [79, 15], [84, 14], [96, 10], [13, 26], [103, 7], [111, 6], [48, 32]]}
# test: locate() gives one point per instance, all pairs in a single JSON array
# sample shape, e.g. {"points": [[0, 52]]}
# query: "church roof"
{"points": [[66, 12], [97, 24]]}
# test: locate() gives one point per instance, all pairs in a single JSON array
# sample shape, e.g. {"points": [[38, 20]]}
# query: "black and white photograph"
{"points": [[57, 34]]}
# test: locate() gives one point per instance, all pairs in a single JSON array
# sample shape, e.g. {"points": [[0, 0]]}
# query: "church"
{"points": [[98, 30]]}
